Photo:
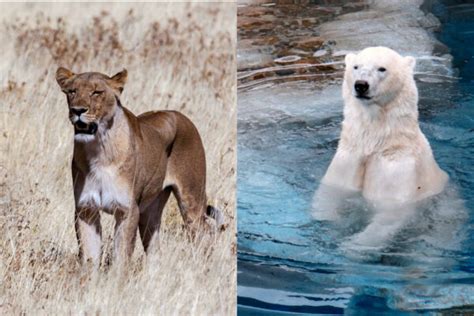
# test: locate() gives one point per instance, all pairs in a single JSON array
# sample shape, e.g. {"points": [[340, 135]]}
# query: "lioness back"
{"points": [[185, 140], [184, 131]]}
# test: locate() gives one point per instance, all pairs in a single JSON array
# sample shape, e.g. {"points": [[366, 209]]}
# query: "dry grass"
{"points": [[179, 56]]}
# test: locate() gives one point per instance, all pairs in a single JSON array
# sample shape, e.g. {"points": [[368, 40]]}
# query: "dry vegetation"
{"points": [[179, 56]]}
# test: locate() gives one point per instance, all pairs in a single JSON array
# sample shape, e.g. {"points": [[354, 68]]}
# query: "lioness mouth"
{"points": [[363, 97], [84, 128]]}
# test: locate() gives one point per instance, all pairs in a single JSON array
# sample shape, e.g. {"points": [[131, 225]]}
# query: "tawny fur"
{"points": [[130, 165]]}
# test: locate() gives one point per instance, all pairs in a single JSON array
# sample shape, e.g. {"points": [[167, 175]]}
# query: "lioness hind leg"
{"points": [[192, 205], [150, 219]]}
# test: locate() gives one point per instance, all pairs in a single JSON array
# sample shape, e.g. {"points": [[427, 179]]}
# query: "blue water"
{"points": [[289, 263]]}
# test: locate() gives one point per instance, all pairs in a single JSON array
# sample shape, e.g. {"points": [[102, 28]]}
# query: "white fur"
{"points": [[169, 180], [104, 189], [91, 242], [74, 118], [382, 152], [84, 138], [118, 240]]}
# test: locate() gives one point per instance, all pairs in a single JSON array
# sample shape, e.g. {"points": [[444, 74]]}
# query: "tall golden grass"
{"points": [[178, 56]]}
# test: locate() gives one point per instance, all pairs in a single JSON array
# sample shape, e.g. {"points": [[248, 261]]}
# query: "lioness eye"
{"points": [[356, 67], [97, 92], [382, 69]]}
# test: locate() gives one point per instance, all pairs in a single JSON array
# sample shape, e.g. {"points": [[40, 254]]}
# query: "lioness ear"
{"points": [[411, 62], [118, 80], [349, 58], [62, 75]]}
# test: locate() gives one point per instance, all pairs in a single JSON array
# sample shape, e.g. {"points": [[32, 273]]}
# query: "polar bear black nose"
{"points": [[361, 86]]}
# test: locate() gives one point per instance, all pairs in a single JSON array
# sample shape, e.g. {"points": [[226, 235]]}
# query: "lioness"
{"points": [[128, 165]]}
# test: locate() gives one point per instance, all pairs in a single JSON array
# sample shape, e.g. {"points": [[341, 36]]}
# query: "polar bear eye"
{"points": [[382, 69], [356, 67]]}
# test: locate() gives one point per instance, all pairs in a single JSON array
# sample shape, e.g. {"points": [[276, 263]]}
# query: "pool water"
{"points": [[289, 263]]}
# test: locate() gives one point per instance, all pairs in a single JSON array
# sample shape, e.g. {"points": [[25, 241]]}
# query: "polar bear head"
{"points": [[377, 75]]}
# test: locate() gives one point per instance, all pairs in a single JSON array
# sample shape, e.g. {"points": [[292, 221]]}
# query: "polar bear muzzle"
{"points": [[362, 88]]}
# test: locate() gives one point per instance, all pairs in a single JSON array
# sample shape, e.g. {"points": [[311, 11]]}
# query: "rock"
{"points": [[292, 51], [284, 72], [320, 53], [328, 10], [264, 41], [254, 11], [430, 22], [245, 43], [340, 53], [309, 22], [354, 6], [253, 22], [399, 25], [395, 30], [308, 43], [254, 58], [287, 59]]}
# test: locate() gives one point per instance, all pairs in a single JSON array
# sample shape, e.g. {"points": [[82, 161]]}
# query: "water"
{"points": [[289, 263]]}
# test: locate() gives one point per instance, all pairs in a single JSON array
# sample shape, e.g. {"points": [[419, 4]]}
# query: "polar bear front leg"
{"points": [[328, 202], [342, 179], [386, 223], [346, 171], [390, 185]]}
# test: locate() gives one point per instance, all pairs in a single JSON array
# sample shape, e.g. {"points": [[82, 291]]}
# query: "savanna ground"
{"points": [[178, 56]]}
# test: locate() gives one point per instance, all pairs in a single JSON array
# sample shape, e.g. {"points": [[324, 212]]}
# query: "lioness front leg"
{"points": [[89, 234], [126, 225]]}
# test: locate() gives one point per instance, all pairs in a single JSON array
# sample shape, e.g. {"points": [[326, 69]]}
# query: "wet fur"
{"points": [[382, 153]]}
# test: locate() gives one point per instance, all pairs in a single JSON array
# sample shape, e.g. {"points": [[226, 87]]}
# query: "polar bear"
{"points": [[382, 153]]}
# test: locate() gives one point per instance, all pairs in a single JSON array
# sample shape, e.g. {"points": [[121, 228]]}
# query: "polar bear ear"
{"points": [[411, 62], [349, 58]]}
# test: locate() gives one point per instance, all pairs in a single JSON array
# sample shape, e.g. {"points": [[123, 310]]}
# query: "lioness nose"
{"points": [[78, 111], [361, 86]]}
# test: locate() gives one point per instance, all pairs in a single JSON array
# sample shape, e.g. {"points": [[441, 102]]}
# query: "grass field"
{"points": [[178, 56]]}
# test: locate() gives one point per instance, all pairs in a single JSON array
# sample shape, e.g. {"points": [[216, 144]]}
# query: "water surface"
{"points": [[290, 263]]}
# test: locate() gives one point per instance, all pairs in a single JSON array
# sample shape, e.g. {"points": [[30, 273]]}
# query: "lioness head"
{"points": [[92, 99]]}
